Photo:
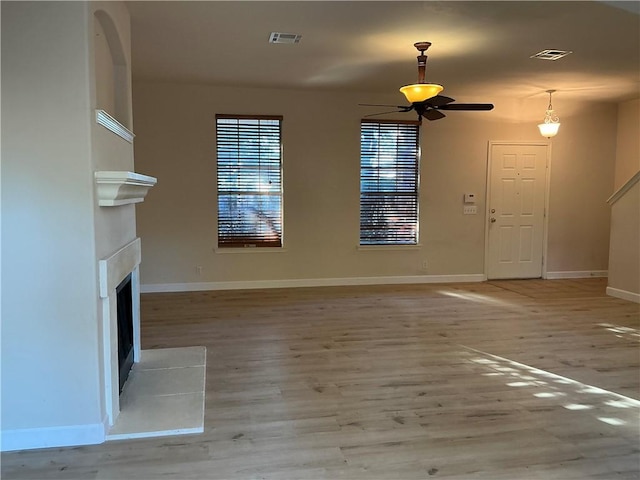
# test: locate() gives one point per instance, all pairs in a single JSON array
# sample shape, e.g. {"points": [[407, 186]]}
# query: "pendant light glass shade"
{"points": [[419, 92], [549, 129], [551, 123]]}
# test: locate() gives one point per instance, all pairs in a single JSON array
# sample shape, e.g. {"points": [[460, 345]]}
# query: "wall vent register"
{"points": [[277, 37]]}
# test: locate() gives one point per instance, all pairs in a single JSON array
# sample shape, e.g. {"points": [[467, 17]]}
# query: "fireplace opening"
{"points": [[124, 306]]}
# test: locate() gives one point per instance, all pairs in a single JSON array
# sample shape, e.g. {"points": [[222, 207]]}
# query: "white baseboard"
{"points": [[577, 274], [65, 436], [309, 282], [623, 294]]}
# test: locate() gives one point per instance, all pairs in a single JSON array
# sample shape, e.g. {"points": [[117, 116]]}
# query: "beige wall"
{"points": [[53, 232], [581, 177], [175, 141], [624, 253], [628, 142], [624, 257], [50, 371]]}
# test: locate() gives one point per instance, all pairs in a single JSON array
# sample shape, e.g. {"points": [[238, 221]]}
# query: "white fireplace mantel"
{"points": [[115, 188]]}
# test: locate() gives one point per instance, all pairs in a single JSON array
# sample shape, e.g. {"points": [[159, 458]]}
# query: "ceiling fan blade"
{"points": [[384, 113], [432, 115], [379, 105], [467, 106], [439, 100]]}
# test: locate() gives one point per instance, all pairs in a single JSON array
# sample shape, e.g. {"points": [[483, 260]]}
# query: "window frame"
{"points": [[253, 240], [394, 238]]}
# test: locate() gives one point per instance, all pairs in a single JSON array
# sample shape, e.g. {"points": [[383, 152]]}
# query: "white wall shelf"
{"points": [[110, 123], [115, 188]]}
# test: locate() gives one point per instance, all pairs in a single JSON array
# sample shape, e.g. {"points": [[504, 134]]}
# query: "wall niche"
{"points": [[111, 78]]}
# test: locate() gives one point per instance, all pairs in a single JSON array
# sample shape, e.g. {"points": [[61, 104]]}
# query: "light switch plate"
{"points": [[469, 210]]}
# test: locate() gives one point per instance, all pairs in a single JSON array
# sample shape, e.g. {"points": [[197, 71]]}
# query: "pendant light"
{"points": [[551, 123]]}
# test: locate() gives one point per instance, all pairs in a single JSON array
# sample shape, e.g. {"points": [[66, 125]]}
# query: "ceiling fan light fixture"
{"points": [[424, 97], [551, 123], [419, 92]]}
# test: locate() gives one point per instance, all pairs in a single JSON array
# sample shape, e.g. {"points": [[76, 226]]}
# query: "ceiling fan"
{"points": [[424, 97]]}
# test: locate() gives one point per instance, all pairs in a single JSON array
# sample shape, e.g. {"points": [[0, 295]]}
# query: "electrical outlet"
{"points": [[199, 270], [469, 210], [424, 265]]}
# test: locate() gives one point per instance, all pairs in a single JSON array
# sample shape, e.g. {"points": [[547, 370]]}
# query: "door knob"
{"points": [[493, 220]]}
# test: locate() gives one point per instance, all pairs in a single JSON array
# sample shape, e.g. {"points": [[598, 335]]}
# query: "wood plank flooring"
{"points": [[532, 379]]}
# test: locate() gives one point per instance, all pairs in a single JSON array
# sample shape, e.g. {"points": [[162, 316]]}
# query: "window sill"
{"points": [[371, 248], [250, 250]]}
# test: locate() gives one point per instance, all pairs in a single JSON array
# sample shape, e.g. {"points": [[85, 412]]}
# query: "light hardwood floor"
{"points": [[498, 380]]}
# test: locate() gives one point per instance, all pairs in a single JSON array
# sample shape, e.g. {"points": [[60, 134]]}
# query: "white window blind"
{"points": [[249, 181], [389, 153]]}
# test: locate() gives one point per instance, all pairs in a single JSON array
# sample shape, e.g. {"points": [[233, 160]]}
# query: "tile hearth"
{"points": [[164, 395]]}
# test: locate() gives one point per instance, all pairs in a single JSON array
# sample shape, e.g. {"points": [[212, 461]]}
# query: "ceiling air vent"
{"points": [[551, 54], [277, 37]]}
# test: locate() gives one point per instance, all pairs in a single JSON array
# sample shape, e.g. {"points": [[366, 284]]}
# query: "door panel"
{"points": [[506, 250], [526, 244], [516, 210]]}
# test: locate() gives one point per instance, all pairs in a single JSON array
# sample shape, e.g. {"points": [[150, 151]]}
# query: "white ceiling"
{"points": [[480, 49]]}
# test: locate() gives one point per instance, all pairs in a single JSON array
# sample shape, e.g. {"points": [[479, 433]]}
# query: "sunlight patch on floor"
{"points": [[571, 394], [627, 333], [479, 298]]}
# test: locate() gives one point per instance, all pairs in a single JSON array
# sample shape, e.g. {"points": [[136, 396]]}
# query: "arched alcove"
{"points": [[111, 78]]}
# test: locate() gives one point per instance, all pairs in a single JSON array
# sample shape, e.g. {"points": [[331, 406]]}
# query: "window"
{"points": [[249, 181], [389, 153]]}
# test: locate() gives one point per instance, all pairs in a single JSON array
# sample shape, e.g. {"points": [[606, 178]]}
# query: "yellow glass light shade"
{"points": [[549, 129], [419, 92]]}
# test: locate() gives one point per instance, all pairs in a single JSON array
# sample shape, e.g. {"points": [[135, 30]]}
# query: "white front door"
{"points": [[516, 203]]}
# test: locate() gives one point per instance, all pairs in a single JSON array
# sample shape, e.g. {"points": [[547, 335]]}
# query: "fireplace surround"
{"points": [[112, 271], [165, 392]]}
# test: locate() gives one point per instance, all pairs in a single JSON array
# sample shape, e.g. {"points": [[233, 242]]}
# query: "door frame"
{"points": [[545, 220]]}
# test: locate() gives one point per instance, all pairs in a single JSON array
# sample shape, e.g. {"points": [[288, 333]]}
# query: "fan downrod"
{"points": [[422, 59]]}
